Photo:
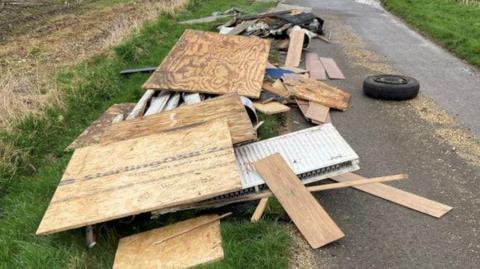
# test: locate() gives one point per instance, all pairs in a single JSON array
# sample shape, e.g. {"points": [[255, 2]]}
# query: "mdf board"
{"points": [[308, 215], [199, 246], [392, 194], [332, 68], [213, 63], [295, 47], [317, 91], [227, 107], [271, 108], [106, 182], [315, 66], [94, 132]]}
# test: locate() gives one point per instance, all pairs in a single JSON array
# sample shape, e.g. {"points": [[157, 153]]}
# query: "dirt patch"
{"points": [[302, 256], [30, 61]]}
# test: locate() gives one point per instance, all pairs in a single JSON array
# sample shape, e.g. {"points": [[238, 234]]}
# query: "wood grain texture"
{"points": [[213, 63], [307, 214], [106, 182], [295, 47], [259, 210], [139, 108], [94, 132], [317, 112], [332, 68], [276, 88], [317, 91], [270, 108], [404, 198], [199, 246], [228, 107], [315, 66]]}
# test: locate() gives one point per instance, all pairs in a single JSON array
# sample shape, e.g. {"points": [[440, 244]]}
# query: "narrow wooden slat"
{"points": [[398, 196], [307, 214], [271, 108], [315, 66], [332, 68], [259, 210], [158, 103], [295, 47], [172, 102], [141, 105]]}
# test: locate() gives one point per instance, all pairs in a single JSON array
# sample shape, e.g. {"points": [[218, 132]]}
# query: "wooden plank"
{"points": [[212, 63], [315, 66], [259, 210], [271, 108], [94, 132], [228, 106], [106, 182], [307, 214], [317, 112], [267, 194], [333, 71], [276, 88], [141, 105], [172, 102], [295, 47], [317, 91], [403, 198], [241, 27], [191, 98], [199, 246], [157, 104]]}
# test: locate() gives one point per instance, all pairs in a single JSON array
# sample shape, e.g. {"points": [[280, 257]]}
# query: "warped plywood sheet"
{"points": [[106, 182], [308, 215], [213, 63], [94, 132], [317, 91], [227, 107], [199, 246]]}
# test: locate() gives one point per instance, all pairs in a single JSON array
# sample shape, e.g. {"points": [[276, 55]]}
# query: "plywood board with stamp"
{"points": [[106, 182], [199, 246], [94, 132], [213, 63], [317, 91], [228, 106]]}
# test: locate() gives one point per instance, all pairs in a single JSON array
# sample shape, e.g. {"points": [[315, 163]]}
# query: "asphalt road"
{"points": [[394, 137]]}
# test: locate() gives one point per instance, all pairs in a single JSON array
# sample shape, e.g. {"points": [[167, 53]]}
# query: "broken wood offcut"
{"points": [[271, 108], [259, 210], [295, 47], [308, 215], [404, 198], [332, 69]]}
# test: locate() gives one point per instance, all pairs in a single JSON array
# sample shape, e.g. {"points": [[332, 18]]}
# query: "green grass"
{"points": [[453, 25], [89, 89]]}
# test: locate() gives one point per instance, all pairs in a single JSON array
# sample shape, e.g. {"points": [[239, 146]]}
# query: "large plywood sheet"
{"points": [[317, 91], [227, 107], [94, 132], [213, 63], [106, 182], [199, 246], [308, 215]]}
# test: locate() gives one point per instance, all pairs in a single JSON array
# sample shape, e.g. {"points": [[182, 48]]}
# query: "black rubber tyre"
{"points": [[391, 87]]}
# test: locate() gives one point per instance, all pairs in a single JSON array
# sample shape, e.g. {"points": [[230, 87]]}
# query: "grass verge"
{"points": [[453, 25], [29, 179]]}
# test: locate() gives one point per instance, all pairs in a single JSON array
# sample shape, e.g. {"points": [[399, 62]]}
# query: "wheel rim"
{"points": [[390, 79]]}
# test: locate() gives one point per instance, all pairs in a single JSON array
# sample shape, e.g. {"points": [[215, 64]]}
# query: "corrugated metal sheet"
{"points": [[313, 154]]}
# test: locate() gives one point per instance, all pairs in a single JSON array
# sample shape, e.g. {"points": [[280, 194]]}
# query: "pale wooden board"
{"points": [[94, 132], [239, 28], [317, 91], [106, 182], [271, 108], [404, 198], [308, 215], [295, 47], [332, 68], [228, 106], [303, 106], [275, 88], [199, 246], [315, 66], [259, 210], [317, 112], [213, 63]]}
